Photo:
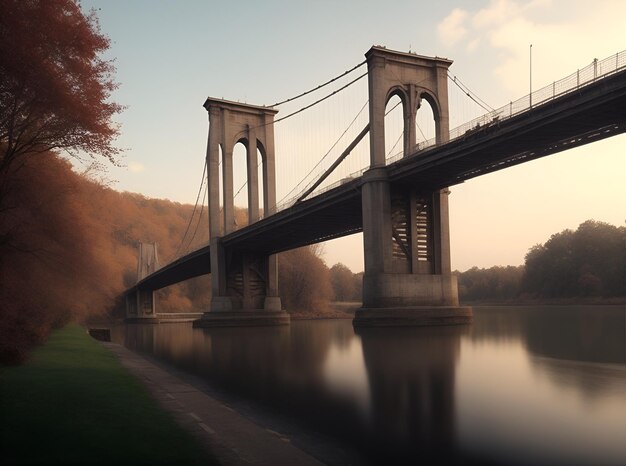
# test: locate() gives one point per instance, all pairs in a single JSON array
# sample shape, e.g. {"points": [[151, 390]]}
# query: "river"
{"points": [[521, 385]]}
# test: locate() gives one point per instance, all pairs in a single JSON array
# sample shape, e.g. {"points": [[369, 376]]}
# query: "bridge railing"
{"points": [[596, 70]]}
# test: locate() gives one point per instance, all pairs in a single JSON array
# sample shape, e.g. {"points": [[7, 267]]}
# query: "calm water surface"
{"points": [[522, 385]]}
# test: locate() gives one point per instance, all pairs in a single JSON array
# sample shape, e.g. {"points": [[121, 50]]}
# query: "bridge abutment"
{"points": [[406, 239]]}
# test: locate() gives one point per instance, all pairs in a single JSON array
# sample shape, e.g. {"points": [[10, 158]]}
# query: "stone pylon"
{"points": [[148, 262], [408, 278], [244, 284]]}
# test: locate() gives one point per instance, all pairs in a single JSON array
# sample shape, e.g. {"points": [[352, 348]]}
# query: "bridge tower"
{"points": [[140, 306], [408, 278], [244, 283]]}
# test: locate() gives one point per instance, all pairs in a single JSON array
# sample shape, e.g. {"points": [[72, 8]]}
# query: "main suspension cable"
{"points": [[320, 86], [306, 107], [320, 100]]}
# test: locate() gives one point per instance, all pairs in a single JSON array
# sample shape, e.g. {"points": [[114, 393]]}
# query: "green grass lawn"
{"points": [[73, 403]]}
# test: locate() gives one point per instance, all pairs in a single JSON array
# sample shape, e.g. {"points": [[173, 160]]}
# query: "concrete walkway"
{"points": [[231, 438]]}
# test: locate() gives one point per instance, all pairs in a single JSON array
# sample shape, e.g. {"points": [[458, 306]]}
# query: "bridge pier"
{"points": [[247, 291], [406, 239], [140, 302], [140, 307], [407, 279]]}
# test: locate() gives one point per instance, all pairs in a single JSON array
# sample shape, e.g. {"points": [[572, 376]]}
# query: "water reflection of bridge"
{"points": [[398, 400], [410, 373]]}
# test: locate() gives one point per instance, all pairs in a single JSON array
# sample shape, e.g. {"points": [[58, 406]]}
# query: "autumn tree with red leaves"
{"points": [[54, 85], [55, 91]]}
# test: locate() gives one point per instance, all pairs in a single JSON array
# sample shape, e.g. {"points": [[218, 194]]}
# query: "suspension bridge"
{"points": [[396, 196]]}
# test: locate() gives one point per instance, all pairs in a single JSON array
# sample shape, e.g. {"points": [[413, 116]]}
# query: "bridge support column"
{"points": [[250, 294], [407, 278], [140, 307], [244, 283], [140, 302]]}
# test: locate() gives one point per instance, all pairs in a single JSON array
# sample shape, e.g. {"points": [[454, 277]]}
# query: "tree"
{"points": [[590, 261], [343, 282], [495, 283], [54, 86], [304, 280], [74, 251]]}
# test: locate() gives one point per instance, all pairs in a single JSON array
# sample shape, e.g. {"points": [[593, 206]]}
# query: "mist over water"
{"points": [[522, 385]]}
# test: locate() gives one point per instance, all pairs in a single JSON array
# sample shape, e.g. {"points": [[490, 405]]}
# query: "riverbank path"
{"points": [[232, 438]]}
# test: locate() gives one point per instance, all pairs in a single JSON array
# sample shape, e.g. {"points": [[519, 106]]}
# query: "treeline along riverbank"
{"points": [[586, 265]]}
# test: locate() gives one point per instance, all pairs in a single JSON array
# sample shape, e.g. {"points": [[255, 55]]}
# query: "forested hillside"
{"points": [[68, 249]]}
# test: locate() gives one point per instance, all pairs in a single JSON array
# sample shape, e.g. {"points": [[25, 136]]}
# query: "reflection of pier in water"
{"points": [[411, 375]]}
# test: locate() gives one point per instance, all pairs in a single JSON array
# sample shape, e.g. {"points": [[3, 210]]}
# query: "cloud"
{"points": [[451, 29], [563, 40], [494, 14], [473, 45], [135, 167]]}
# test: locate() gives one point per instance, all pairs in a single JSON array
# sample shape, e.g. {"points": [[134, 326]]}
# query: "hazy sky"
{"points": [[171, 55]]}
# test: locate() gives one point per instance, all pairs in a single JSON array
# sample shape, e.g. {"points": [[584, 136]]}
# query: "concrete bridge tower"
{"points": [[408, 279], [244, 283]]}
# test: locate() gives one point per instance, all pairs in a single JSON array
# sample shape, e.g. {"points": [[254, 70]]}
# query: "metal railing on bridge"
{"points": [[596, 70]]}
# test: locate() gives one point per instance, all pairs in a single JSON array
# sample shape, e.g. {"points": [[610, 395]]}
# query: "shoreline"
{"points": [[346, 310], [548, 302], [232, 437]]}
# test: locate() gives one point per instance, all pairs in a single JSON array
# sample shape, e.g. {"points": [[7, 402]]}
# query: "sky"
{"points": [[171, 55]]}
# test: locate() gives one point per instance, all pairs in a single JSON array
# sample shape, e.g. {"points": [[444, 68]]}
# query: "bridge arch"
{"points": [[394, 122], [220, 183], [241, 183], [231, 123], [409, 76], [261, 170], [398, 91], [427, 119]]}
